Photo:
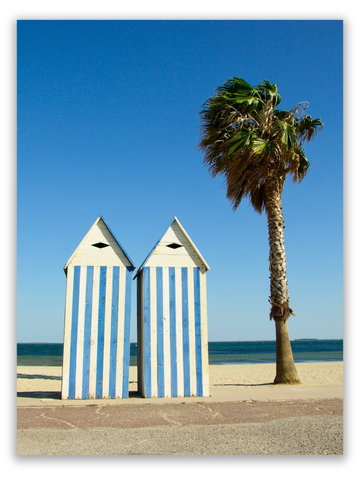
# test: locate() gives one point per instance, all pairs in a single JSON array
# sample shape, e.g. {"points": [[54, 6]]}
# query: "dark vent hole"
{"points": [[100, 245], [174, 245]]}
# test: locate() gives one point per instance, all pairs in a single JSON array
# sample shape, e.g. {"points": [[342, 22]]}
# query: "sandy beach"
{"points": [[225, 382]]}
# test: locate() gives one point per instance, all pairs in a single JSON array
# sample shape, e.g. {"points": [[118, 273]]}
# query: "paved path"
{"points": [[218, 394], [291, 427]]}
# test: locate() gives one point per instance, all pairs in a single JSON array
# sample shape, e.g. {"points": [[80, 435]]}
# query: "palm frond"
{"points": [[240, 139], [238, 86], [289, 137], [270, 90], [308, 128], [304, 163], [248, 141], [299, 110], [263, 147]]}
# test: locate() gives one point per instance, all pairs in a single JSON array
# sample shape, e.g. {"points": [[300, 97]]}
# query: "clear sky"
{"points": [[108, 124]]}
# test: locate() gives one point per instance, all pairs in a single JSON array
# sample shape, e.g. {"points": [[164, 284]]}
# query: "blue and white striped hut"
{"points": [[172, 319], [97, 318]]}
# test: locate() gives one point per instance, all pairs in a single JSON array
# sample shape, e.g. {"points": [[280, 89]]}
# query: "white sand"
{"points": [[329, 373], [48, 379]]}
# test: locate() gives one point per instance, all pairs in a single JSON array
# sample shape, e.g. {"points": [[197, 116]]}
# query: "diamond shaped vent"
{"points": [[174, 245], [100, 245]]}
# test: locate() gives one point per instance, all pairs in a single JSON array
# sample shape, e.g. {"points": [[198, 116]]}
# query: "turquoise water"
{"points": [[220, 353]]}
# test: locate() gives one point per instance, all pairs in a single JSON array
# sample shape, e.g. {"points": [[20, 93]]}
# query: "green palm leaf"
{"points": [[240, 140], [263, 147], [289, 137]]}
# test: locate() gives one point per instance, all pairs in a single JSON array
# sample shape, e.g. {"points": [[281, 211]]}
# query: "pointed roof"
{"points": [[102, 235], [168, 235]]}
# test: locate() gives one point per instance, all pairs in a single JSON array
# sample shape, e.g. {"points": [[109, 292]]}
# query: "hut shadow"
{"points": [[53, 395], [241, 384], [38, 377], [56, 395], [134, 394]]}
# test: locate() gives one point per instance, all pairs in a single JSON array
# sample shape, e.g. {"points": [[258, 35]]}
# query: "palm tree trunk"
{"points": [[279, 291], [285, 365]]}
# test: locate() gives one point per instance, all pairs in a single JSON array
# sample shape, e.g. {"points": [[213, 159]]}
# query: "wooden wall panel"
{"points": [[175, 361]]}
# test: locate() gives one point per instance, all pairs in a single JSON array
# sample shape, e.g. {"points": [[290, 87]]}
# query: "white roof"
{"points": [[174, 237], [101, 237]]}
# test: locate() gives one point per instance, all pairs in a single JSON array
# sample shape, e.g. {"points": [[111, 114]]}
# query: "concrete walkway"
{"points": [[218, 394]]}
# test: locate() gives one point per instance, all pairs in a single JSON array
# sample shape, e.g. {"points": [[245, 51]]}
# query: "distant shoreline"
{"points": [[220, 353], [210, 341]]}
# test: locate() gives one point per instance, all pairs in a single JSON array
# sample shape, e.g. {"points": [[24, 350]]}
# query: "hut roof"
{"points": [[175, 245], [100, 225]]}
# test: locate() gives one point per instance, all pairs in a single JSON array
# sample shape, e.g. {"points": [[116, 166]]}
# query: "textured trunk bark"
{"points": [[285, 365], [279, 291]]}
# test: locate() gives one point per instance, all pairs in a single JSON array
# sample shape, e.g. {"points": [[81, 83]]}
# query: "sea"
{"points": [[220, 353]]}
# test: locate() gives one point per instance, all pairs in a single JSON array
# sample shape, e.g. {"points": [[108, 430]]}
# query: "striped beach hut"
{"points": [[172, 318], [96, 353]]}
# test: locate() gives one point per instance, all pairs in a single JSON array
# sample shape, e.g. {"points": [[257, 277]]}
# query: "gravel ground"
{"points": [[317, 435], [312, 427]]}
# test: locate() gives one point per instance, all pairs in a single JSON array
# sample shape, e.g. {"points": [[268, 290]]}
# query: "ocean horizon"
{"points": [[305, 350]]}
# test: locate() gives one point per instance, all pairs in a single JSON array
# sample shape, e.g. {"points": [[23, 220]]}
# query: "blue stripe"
{"points": [[87, 331], [101, 325], [113, 332], [173, 332], [126, 359], [74, 328], [199, 380], [160, 332], [185, 314], [147, 346]]}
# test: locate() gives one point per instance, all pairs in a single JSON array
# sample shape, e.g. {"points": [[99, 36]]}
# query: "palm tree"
{"points": [[255, 146]]}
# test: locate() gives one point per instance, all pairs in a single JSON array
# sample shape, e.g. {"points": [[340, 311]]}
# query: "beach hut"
{"points": [[96, 352], [172, 318]]}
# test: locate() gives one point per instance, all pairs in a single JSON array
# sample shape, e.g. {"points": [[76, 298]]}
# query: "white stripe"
{"points": [[179, 339], [80, 334], [107, 332], [120, 333], [94, 332], [153, 333], [166, 330], [192, 331], [204, 333], [67, 329], [140, 332]]}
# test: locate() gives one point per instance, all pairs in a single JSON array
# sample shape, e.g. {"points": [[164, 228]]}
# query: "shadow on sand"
{"points": [[38, 377], [241, 384], [57, 395], [54, 395]]}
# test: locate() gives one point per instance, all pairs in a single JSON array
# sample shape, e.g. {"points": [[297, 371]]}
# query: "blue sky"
{"points": [[108, 124]]}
